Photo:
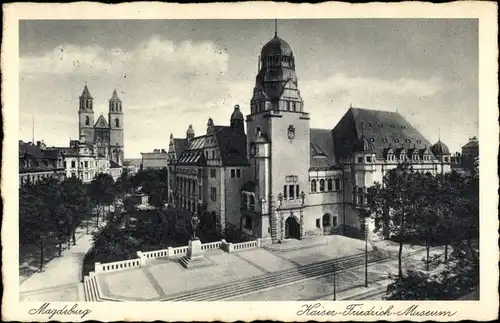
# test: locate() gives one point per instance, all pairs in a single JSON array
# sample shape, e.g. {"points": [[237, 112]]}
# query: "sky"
{"points": [[172, 73]]}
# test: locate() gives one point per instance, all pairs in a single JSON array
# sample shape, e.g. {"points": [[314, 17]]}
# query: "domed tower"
{"points": [[442, 153], [276, 84], [86, 115], [190, 133], [278, 138], [237, 120], [115, 117], [210, 126]]}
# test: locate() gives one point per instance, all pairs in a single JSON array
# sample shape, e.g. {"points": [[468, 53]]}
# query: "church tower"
{"points": [[278, 136], [86, 116], [115, 117]]}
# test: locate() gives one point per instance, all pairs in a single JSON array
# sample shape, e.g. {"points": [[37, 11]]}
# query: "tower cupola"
{"points": [[115, 104], [86, 100], [237, 120], [190, 133]]}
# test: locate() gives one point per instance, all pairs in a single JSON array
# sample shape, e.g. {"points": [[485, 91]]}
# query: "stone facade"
{"points": [[107, 135], [291, 180]]}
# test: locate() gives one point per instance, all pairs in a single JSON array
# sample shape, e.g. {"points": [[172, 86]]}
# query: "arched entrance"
{"points": [[292, 228]]}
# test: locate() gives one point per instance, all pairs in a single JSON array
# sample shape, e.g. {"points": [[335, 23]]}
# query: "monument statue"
{"points": [[194, 226]]}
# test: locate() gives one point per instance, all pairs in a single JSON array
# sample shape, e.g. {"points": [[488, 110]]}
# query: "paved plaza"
{"points": [[162, 278]]}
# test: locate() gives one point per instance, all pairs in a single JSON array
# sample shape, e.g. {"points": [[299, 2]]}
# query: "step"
{"points": [[276, 278]]}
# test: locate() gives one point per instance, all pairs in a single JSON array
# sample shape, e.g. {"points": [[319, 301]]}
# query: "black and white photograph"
{"points": [[331, 162]]}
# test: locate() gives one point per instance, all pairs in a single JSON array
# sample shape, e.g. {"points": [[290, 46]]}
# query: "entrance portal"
{"points": [[292, 228]]}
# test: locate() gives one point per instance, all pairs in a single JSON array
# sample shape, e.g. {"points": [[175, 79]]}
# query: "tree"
{"points": [[39, 213], [393, 205], [113, 243], [75, 203], [102, 192]]}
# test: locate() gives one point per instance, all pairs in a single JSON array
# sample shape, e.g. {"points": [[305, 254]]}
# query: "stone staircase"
{"points": [[272, 280], [91, 288]]}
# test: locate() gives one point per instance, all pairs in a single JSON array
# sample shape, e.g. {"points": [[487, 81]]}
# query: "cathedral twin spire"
{"points": [[86, 101]]}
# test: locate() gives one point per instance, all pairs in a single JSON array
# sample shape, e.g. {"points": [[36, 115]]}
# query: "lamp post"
{"points": [[366, 253], [334, 282]]}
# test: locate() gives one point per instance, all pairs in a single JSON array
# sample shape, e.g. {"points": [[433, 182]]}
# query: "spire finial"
{"points": [[439, 134], [275, 27]]}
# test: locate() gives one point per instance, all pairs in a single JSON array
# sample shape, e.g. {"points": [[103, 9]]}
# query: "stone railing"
{"points": [[177, 252], [156, 254], [117, 265], [211, 245]]}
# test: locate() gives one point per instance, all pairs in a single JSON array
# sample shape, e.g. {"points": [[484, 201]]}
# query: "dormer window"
{"points": [[397, 140]]}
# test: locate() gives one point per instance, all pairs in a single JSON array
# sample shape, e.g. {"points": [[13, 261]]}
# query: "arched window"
{"points": [[288, 105], [330, 184], [321, 185], [87, 120], [337, 184], [313, 186], [117, 122]]}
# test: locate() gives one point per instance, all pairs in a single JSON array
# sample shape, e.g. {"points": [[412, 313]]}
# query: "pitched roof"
{"points": [[383, 128], [115, 97], [180, 145], [232, 146], [101, 122], [321, 149], [113, 164], [473, 143], [86, 93]]}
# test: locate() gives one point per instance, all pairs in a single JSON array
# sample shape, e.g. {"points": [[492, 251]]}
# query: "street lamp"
{"points": [[366, 253], [334, 282]]}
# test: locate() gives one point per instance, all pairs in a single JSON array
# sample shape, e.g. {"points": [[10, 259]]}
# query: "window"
{"points": [[326, 220], [64, 164], [334, 221], [247, 222], [288, 105], [73, 164], [318, 223], [213, 154], [285, 192], [117, 123], [321, 185], [233, 173], [397, 140], [87, 121], [244, 201], [291, 191], [213, 173], [206, 154], [313, 186], [337, 184], [297, 195], [251, 203], [86, 164], [294, 106], [330, 184], [238, 173], [360, 159], [213, 193], [368, 159], [445, 159]]}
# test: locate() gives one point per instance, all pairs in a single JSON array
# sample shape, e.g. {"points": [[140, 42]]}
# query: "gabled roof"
{"points": [[101, 122], [321, 149], [382, 128]]}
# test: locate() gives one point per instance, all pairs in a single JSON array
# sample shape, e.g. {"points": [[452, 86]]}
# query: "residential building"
{"points": [[155, 160], [37, 163]]}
